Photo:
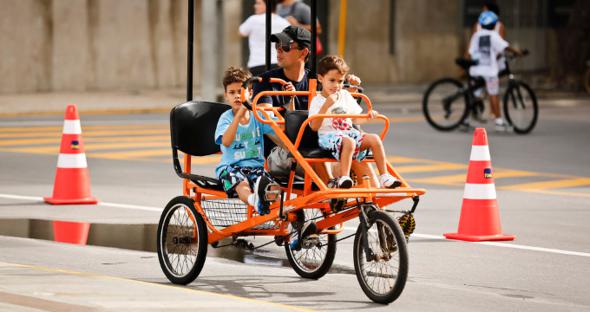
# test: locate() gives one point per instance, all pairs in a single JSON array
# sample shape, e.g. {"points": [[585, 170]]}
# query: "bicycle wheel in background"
{"points": [[520, 107], [445, 104]]}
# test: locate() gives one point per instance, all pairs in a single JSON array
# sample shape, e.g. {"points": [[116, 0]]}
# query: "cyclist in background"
{"points": [[485, 47], [491, 5]]}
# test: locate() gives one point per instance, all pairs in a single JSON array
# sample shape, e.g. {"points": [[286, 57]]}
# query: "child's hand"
{"points": [[353, 80], [373, 114], [289, 87], [241, 112], [333, 98]]}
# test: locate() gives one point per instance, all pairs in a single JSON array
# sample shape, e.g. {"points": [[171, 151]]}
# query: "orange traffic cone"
{"points": [[480, 218], [72, 182], [71, 232]]}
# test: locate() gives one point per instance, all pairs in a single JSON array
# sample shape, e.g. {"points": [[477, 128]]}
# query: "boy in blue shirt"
{"points": [[240, 136]]}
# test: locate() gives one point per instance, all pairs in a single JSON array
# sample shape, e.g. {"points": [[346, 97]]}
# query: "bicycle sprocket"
{"points": [[407, 223]]}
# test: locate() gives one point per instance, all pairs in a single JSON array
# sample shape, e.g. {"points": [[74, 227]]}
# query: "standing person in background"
{"points": [[484, 48], [255, 29], [491, 5], [297, 13]]}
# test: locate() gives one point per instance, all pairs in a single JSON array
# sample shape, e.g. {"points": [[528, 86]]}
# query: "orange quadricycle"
{"points": [[204, 215]]}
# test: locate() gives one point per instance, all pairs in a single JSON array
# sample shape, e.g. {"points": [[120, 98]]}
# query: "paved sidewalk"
{"points": [[404, 98]]}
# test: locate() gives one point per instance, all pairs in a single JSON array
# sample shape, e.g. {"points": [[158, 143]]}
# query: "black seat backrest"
{"points": [[192, 127], [293, 122]]}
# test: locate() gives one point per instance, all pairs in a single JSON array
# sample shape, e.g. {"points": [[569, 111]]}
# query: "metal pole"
{"points": [[342, 27], [314, 35], [209, 55], [268, 33], [189, 52]]}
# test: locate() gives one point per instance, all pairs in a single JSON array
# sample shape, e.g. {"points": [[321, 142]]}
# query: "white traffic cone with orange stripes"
{"points": [[480, 218], [72, 181]]}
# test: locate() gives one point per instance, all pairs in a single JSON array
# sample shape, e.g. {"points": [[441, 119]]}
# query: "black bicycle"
{"points": [[448, 102]]}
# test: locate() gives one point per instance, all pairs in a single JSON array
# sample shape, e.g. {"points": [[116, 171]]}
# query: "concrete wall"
{"points": [[79, 45], [426, 43], [92, 45]]}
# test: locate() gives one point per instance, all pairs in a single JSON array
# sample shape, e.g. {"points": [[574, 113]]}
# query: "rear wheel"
{"points": [[520, 107], [317, 252], [182, 241], [445, 104], [382, 264]]}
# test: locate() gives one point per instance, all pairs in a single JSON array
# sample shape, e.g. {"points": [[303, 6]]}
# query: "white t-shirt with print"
{"points": [[255, 28], [345, 104], [484, 47]]}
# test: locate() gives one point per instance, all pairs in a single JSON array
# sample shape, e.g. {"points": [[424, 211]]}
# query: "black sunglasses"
{"points": [[285, 47]]}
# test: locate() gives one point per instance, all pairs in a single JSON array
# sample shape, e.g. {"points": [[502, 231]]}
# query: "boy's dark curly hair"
{"points": [[330, 62], [233, 74]]}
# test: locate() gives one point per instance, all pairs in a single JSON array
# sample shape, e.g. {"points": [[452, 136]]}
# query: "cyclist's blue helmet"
{"points": [[488, 19]]}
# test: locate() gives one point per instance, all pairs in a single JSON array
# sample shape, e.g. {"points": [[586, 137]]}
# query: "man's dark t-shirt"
{"points": [[282, 101]]}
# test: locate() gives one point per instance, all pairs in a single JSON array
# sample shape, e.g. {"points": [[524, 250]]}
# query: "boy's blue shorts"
{"points": [[232, 175]]}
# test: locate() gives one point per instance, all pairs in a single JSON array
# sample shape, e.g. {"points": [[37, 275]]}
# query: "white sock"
{"points": [[252, 199]]}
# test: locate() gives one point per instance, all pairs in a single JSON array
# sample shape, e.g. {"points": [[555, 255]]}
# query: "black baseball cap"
{"points": [[293, 34]]}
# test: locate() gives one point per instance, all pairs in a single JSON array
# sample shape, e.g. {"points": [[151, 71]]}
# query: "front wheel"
{"points": [[520, 107], [381, 260], [182, 241], [445, 104], [317, 252]]}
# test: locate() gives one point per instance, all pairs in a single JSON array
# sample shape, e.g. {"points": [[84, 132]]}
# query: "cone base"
{"points": [[480, 238], [76, 201]]}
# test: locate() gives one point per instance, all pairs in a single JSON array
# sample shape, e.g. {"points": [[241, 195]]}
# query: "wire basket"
{"points": [[226, 212]]}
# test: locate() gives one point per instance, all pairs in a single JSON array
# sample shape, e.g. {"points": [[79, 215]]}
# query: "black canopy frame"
{"points": [[190, 43]]}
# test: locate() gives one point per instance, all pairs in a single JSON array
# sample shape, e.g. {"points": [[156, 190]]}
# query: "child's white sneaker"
{"points": [[345, 182], [389, 181]]}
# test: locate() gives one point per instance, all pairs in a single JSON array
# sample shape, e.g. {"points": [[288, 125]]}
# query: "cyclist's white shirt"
{"points": [[484, 47], [502, 59]]}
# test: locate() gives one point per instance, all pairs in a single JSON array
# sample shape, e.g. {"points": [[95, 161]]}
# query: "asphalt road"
{"points": [[543, 183]]}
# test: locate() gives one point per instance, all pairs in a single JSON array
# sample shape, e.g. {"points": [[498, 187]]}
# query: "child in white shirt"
{"points": [[337, 134]]}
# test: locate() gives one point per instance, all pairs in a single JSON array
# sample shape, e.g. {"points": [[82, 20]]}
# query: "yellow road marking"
{"points": [[89, 147], [57, 140], [552, 184], [558, 193], [90, 127], [430, 168], [401, 160], [132, 154], [458, 179], [105, 137], [89, 133]]}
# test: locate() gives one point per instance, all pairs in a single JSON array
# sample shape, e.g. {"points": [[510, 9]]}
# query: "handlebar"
{"points": [[510, 55]]}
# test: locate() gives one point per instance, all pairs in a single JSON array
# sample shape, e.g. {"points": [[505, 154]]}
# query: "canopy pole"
{"points": [[189, 52], [314, 35], [342, 27], [268, 30]]}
